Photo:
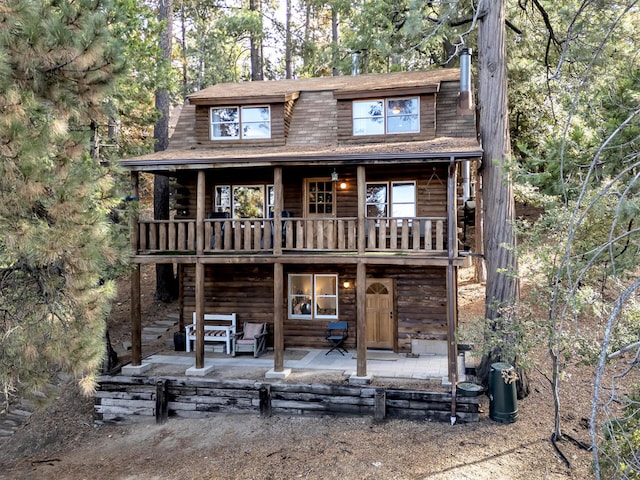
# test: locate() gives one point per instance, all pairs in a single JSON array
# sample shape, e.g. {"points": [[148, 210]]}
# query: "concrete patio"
{"points": [[380, 364]]}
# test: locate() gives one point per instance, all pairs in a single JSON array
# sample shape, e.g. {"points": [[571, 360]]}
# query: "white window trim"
{"points": [[314, 315], [218, 207], [389, 201], [240, 122], [385, 115], [391, 115]]}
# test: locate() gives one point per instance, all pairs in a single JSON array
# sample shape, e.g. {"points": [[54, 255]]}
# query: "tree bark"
{"points": [[166, 285], [502, 287], [256, 45], [288, 54], [334, 42]]}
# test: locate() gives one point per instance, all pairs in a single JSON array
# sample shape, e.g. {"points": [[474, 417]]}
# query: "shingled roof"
{"points": [[274, 88]]}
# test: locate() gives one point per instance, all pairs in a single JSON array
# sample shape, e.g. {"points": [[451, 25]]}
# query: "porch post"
{"points": [[200, 208], [452, 284], [277, 211], [361, 333], [361, 181], [136, 310], [278, 318]]}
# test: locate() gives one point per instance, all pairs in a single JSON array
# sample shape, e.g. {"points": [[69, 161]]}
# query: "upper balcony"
{"points": [[426, 236]]}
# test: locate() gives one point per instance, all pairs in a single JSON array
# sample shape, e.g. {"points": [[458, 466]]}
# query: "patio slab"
{"points": [[427, 367]]}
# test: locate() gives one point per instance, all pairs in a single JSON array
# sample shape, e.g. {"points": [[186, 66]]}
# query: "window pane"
{"points": [[402, 106], [403, 124], [248, 202], [403, 115], [255, 114], [327, 306], [376, 200], [271, 198], [368, 108], [326, 301], [368, 117], [223, 199], [220, 115], [403, 198], [300, 295], [369, 126], [326, 285], [225, 130], [256, 122], [224, 123]]}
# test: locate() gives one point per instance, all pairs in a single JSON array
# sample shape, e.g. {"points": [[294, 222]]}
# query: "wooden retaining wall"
{"points": [[127, 398]]}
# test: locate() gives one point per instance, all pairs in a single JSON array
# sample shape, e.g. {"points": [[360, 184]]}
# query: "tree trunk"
{"points": [[502, 287], [288, 54], [166, 285], [256, 45], [334, 41]]}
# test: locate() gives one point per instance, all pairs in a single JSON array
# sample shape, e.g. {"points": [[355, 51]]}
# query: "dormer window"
{"points": [[240, 123], [386, 116]]}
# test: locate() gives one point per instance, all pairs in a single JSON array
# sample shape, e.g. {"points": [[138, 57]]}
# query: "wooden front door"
{"points": [[381, 330]]}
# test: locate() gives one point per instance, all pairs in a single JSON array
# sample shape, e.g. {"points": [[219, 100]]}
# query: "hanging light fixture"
{"points": [[334, 176]]}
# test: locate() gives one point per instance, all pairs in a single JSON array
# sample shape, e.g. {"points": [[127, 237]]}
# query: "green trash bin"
{"points": [[503, 403]]}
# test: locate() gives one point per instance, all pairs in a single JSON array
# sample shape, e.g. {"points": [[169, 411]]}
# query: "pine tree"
{"points": [[57, 61]]}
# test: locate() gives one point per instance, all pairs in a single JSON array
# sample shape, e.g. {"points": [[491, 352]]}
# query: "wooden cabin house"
{"points": [[308, 201]]}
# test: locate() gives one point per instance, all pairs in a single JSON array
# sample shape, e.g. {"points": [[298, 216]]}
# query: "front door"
{"points": [[380, 316]]}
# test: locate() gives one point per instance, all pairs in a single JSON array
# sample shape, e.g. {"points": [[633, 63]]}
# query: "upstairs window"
{"points": [[240, 123], [386, 116]]}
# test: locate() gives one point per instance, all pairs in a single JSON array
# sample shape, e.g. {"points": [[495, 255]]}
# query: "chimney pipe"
{"points": [[355, 63], [465, 100]]}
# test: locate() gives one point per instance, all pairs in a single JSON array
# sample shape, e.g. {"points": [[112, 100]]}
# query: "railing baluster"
{"points": [[382, 234], [182, 241], [257, 235], [428, 244], [246, 235], [341, 238], [172, 236], [404, 240], [268, 238], [143, 228], [309, 234], [153, 236], [351, 235], [439, 235], [417, 227], [299, 234], [372, 234], [191, 235], [393, 233]]}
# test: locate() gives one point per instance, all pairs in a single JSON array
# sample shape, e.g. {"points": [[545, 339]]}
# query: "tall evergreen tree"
{"points": [[57, 60]]}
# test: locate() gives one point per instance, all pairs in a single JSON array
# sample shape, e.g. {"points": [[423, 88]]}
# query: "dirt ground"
{"points": [[61, 441]]}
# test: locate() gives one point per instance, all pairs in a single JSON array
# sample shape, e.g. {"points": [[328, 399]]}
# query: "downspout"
{"points": [[465, 107], [452, 285]]}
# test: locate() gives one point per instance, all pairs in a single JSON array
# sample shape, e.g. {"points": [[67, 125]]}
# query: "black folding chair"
{"points": [[337, 333]]}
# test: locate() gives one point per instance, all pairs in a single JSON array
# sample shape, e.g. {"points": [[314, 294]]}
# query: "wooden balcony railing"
{"points": [[418, 235]]}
